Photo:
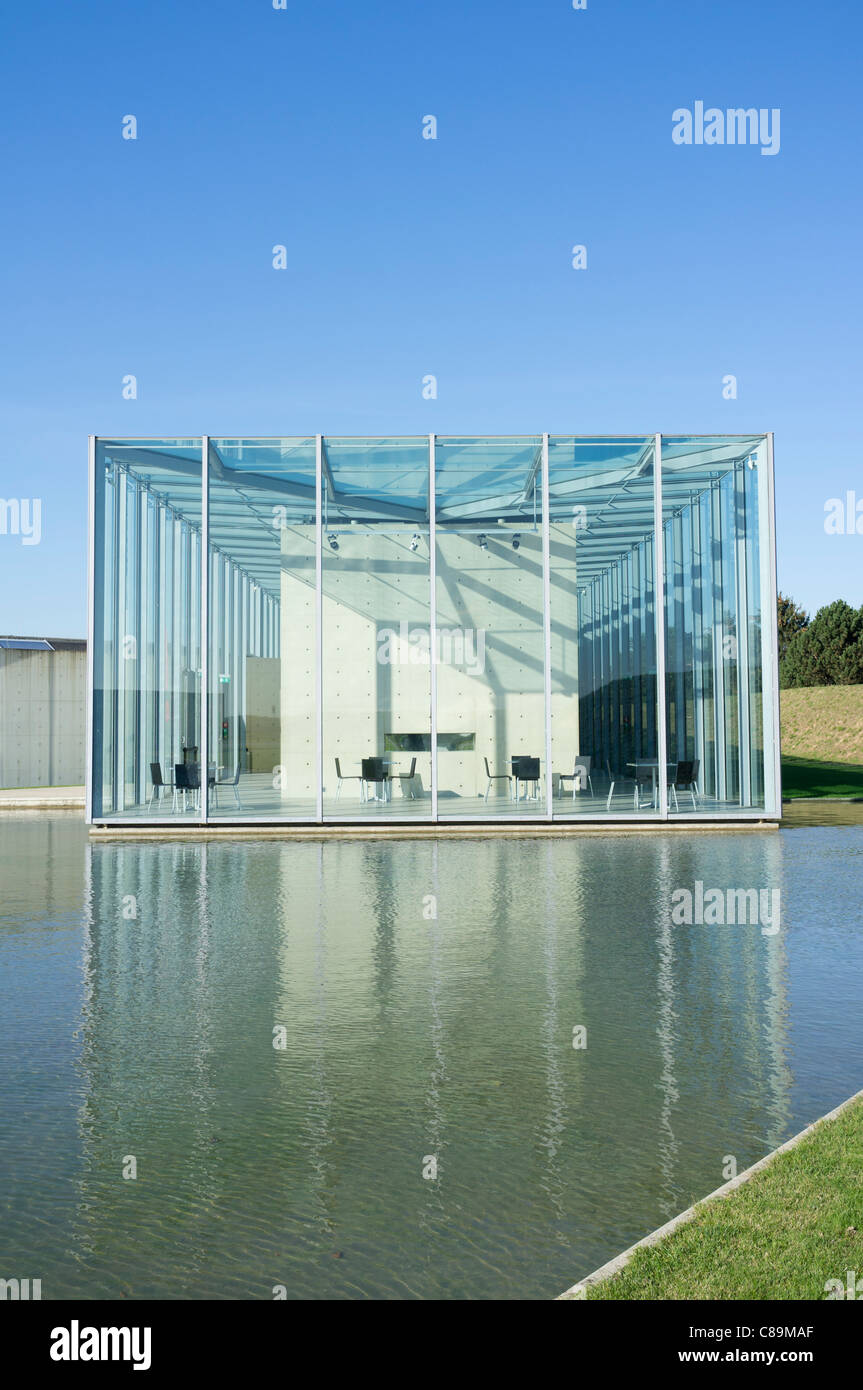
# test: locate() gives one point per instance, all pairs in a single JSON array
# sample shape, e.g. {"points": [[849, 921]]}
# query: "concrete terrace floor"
{"points": [[258, 799], [42, 798]]}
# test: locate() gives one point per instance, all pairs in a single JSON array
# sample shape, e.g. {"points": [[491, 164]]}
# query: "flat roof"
{"points": [[43, 644]]}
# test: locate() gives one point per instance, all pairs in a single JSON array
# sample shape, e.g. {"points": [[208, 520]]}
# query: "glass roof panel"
{"points": [[690, 463], [377, 479], [168, 469], [260, 489], [602, 485], [487, 479], [602, 489]]}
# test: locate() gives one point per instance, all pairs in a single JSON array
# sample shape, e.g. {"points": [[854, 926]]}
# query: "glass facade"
{"points": [[457, 629]]}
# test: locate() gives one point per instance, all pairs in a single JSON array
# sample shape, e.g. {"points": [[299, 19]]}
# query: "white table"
{"points": [[537, 781], [651, 765]]}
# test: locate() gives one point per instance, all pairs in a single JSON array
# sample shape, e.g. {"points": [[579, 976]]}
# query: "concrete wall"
{"points": [[42, 711]]}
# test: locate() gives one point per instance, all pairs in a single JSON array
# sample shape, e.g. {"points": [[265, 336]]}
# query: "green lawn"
{"points": [[781, 1235], [806, 777]]}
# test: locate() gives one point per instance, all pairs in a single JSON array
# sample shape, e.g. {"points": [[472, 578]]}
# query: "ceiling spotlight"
{"points": [[333, 543], [415, 540], [483, 541], [516, 540]]}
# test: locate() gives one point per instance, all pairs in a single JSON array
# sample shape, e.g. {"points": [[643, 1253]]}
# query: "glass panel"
{"points": [[376, 644], [713, 609], [147, 651], [262, 663], [491, 649], [603, 628], [377, 648]]}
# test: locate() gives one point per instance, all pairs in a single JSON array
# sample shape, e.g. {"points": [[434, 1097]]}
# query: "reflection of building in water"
{"points": [[407, 1036], [564, 1078], [434, 1157]]}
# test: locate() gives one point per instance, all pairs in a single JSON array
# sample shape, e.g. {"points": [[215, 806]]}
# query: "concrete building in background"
{"points": [[43, 682]]}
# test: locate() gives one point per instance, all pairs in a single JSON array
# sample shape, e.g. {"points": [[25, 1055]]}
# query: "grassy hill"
{"points": [[822, 741], [823, 722]]}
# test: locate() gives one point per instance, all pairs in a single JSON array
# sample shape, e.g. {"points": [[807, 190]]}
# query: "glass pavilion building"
{"points": [[432, 629]]}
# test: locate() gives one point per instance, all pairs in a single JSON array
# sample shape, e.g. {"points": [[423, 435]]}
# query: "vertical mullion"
{"points": [[141, 576], [659, 628], [697, 509], [433, 624], [546, 625], [119, 645], [769, 639], [677, 601], [204, 765], [319, 611], [744, 727], [91, 624], [717, 595]]}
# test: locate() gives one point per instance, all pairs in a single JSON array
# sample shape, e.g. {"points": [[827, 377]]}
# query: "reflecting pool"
{"points": [[402, 1069]]}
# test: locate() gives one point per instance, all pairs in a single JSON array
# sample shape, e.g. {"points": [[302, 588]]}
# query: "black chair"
{"points": [[187, 779], [374, 771], [405, 777], [643, 777], [353, 777], [232, 782], [525, 769], [159, 785], [496, 777], [686, 778]]}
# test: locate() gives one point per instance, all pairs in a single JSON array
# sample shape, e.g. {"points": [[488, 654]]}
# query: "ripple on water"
{"points": [[405, 1041]]}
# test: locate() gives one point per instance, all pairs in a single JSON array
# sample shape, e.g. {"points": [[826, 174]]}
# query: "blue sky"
{"points": [[408, 256]]}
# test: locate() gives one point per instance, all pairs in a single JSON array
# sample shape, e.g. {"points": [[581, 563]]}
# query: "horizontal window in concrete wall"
{"points": [[402, 629]]}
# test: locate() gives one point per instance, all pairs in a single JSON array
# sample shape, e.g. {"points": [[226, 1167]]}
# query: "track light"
{"points": [[483, 541], [415, 540], [333, 543], [516, 540]]}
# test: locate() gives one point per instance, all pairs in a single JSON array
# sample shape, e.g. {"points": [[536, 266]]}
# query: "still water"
{"points": [[407, 1037]]}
